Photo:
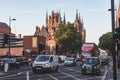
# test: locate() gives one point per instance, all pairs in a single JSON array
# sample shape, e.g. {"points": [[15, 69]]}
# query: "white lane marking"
{"points": [[27, 73], [72, 69], [52, 76], [9, 75], [105, 74], [70, 75]]}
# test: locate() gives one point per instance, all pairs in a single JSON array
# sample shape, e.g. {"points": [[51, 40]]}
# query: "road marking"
{"points": [[105, 74], [27, 75], [52, 76], [72, 69], [9, 76], [70, 75]]}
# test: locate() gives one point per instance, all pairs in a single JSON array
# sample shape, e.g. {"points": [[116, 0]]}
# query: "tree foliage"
{"points": [[105, 42], [67, 38]]}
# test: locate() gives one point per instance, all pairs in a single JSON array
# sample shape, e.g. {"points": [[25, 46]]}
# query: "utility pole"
{"points": [[113, 40], [10, 30]]}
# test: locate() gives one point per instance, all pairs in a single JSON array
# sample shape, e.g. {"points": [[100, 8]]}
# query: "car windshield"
{"points": [[42, 58], [69, 59], [86, 54], [91, 61]]}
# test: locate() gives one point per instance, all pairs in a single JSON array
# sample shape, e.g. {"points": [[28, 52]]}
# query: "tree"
{"points": [[105, 42], [67, 38]]}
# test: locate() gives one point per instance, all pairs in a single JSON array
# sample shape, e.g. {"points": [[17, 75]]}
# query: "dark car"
{"points": [[91, 65], [22, 60], [13, 63], [104, 60]]}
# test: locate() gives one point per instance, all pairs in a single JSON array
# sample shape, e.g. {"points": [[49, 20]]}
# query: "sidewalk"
{"points": [[109, 75], [3, 73], [14, 70]]}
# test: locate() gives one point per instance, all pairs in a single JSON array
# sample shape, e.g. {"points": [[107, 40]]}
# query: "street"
{"points": [[64, 73]]}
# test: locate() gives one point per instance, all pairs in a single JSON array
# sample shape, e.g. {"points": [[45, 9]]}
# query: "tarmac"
{"points": [[108, 75]]}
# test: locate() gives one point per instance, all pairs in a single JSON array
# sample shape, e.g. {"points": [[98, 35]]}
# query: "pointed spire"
{"points": [[64, 20], [79, 18], [59, 13], [77, 14], [47, 18]]}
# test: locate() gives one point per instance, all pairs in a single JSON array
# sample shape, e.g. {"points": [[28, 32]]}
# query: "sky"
{"points": [[32, 13]]}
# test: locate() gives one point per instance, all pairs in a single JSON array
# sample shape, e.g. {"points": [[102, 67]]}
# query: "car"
{"points": [[12, 62], [70, 61], [91, 65], [2, 63], [45, 63], [22, 60], [104, 60]]}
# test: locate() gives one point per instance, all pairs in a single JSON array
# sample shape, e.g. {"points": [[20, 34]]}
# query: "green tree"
{"points": [[67, 38], [105, 42]]}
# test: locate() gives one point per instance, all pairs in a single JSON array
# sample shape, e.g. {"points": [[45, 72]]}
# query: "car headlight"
{"points": [[33, 65], [83, 67], [95, 67], [46, 65]]}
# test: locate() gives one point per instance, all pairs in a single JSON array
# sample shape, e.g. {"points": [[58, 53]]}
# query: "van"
{"points": [[45, 62]]}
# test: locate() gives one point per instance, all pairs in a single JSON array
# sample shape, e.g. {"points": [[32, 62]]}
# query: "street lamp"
{"points": [[10, 19], [113, 39]]}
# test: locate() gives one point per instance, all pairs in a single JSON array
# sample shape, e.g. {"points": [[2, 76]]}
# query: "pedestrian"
{"points": [[118, 62], [30, 61]]}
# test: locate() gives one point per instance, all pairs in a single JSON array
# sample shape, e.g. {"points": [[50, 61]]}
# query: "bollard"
{"points": [[6, 67]]}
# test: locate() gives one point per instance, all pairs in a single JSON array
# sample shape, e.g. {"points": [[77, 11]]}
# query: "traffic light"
{"points": [[117, 34], [5, 38]]}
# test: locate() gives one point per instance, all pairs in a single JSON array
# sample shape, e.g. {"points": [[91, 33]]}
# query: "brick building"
{"points": [[16, 44], [52, 23]]}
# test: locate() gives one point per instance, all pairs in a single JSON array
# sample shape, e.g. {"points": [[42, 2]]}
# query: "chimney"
{"points": [[19, 35]]}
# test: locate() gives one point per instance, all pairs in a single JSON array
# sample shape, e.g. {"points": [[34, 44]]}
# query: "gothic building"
{"points": [[52, 23], [118, 26], [118, 17], [79, 25]]}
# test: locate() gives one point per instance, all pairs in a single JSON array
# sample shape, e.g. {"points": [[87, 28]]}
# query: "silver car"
{"points": [[70, 61]]}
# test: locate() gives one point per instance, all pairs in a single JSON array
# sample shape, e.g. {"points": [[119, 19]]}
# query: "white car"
{"points": [[45, 62], [70, 61]]}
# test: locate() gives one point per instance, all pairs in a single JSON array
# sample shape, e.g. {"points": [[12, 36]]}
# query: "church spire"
{"points": [[79, 18], [46, 18], [76, 15], [64, 20]]}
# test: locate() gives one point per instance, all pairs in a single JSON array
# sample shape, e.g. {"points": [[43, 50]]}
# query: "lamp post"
{"points": [[10, 19], [113, 40]]}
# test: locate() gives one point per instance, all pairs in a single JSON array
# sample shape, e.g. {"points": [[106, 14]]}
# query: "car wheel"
{"points": [[34, 70], [83, 71], [57, 68]]}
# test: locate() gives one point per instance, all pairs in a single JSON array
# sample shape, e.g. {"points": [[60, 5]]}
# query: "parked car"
{"points": [[70, 61], [91, 65], [22, 60], [2, 63], [12, 62], [45, 62]]}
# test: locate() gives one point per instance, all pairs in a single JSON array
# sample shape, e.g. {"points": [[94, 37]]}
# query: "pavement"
{"points": [[109, 75], [13, 70]]}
